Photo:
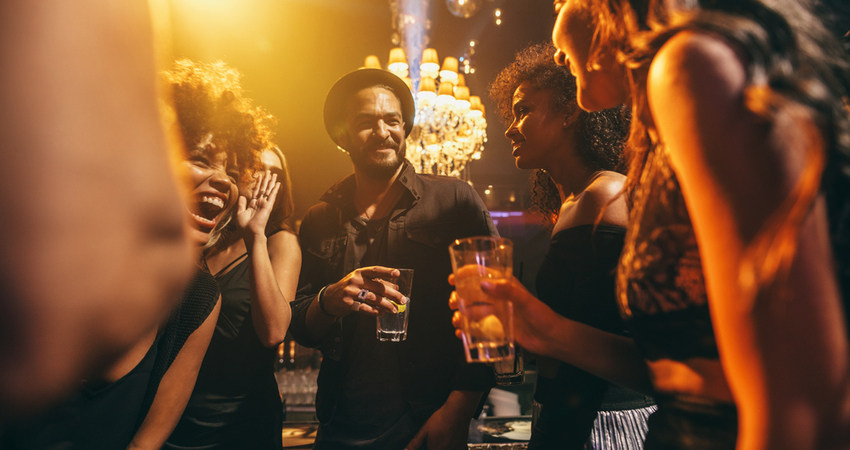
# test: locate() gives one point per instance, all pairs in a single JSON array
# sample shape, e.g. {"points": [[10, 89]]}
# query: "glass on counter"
{"points": [[297, 371]]}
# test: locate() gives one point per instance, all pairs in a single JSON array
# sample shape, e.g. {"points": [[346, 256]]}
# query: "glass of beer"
{"points": [[487, 322]]}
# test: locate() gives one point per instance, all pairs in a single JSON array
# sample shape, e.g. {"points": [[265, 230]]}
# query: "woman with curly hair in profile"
{"points": [[577, 160], [737, 259], [235, 403]]}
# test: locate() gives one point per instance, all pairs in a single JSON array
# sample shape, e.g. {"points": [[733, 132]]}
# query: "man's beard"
{"points": [[381, 169]]}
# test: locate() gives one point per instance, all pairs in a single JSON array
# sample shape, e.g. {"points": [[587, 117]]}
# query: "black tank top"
{"points": [[235, 403], [576, 279]]}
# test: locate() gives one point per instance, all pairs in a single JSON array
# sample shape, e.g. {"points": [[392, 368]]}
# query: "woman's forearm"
{"points": [[543, 332], [607, 355], [275, 263], [176, 387]]}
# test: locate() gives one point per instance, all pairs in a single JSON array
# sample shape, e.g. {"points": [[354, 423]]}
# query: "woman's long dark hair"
{"points": [[284, 207], [795, 67]]}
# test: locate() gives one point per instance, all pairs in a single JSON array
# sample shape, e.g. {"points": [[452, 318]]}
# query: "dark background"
{"points": [[290, 52]]}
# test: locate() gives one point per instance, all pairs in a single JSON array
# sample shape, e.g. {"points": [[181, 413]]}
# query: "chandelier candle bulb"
{"points": [[475, 106], [462, 98], [461, 80], [398, 62], [427, 84], [430, 65], [372, 62], [446, 94], [462, 93], [449, 70], [427, 90], [447, 88]]}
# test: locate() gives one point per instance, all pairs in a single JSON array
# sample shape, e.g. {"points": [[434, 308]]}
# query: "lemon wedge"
{"points": [[400, 307], [489, 328]]}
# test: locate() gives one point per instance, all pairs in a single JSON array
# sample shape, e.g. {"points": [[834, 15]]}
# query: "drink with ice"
{"points": [[487, 322]]}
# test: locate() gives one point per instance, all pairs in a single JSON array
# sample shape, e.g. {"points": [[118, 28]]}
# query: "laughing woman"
{"points": [[235, 403]]}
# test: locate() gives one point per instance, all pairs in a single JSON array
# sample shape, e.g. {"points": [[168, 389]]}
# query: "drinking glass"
{"points": [[487, 322], [509, 371], [393, 327]]}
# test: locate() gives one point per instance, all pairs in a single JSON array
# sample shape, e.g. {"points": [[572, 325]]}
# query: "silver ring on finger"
{"points": [[362, 295], [355, 306]]}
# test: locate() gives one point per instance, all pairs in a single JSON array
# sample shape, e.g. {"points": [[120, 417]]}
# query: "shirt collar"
{"points": [[341, 194]]}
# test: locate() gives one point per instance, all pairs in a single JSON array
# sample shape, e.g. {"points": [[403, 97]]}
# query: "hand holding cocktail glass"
{"points": [[533, 321], [486, 322]]}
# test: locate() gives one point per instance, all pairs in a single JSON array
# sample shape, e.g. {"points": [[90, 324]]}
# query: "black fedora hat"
{"points": [[353, 82]]}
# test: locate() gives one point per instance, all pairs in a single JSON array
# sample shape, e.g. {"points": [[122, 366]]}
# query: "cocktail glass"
{"points": [[487, 322]]}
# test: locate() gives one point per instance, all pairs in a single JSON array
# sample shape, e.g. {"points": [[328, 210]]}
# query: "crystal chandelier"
{"points": [[450, 128]]}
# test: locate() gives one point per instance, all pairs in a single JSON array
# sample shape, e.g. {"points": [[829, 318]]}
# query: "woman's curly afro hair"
{"points": [[210, 110], [600, 137]]}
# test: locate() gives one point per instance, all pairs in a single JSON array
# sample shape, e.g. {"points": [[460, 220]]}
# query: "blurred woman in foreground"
{"points": [[137, 402]]}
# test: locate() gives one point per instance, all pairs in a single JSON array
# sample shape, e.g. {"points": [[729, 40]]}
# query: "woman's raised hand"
{"points": [[253, 214]]}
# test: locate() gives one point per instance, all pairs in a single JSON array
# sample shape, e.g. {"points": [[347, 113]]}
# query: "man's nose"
{"points": [[560, 58], [382, 130]]}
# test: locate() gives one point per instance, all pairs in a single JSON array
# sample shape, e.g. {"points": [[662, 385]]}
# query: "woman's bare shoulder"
{"points": [[606, 186], [598, 202], [696, 66]]}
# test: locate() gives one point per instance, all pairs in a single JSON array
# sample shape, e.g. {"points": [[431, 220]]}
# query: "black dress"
{"points": [[576, 279], [661, 292], [235, 403], [106, 416]]}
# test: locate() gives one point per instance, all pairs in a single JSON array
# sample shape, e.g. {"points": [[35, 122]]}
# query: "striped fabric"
{"points": [[620, 430]]}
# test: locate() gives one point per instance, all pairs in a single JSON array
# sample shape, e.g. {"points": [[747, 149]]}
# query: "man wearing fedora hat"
{"points": [[420, 392]]}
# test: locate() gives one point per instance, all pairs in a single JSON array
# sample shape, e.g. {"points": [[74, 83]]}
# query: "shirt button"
{"points": [[336, 340]]}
